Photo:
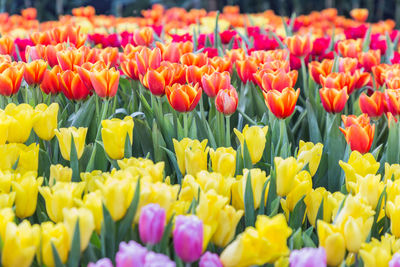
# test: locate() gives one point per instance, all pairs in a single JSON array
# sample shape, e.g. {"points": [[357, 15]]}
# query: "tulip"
{"points": [[349, 48], [310, 154], [246, 69], [278, 80], [391, 172], [332, 241], [6, 216], [59, 173], [50, 83], [299, 46], [54, 235], [148, 59], [143, 36], [105, 82], [395, 261], [196, 157], [223, 160], [393, 101], [93, 202], [215, 82], [28, 157], [318, 69], [286, 170], [114, 133], [156, 259], [373, 105], [26, 188], [355, 232], [255, 141], [359, 14], [226, 101], [170, 52], [34, 71], [7, 200], [194, 59], [67, 59], [194, 74], [183, 98], [188, 238], [130, 69], [214, 181], [359, 135], [151, 224], [228, 219], [7, 46], [369, 59], [333, 100], [369, 188], [130, 254], [308, 257], [235, 54], [72, 86], [85, 222], [378, 253], [22, 119], [10, 80], [281, 104], [104, 262], [64, 136], [394, 214], [4, 124], [45, 120], [348, 65], [221, 64], [20, 244], [210, 260]]}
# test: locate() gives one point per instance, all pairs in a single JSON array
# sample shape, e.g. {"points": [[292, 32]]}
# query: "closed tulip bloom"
{"points": [[56, 235], [93, 202], [281, 104], [28, 160], [226, 101], [255, 138], [194, 59], [355, 232], [21, 122], [7, 200], [20, 244], [68, 58], [194, 74], [50, 83], [332, 241], [105, 82], [130, 254], [369, 59], [286, 170], [246, 69], [72, 86], [350, 47], [45, 120], [130, 69], [373, 105], [196, 157], [369, 188], [188, 238], [7, 46], [359, 135], [6, 216], [26, 188], [227, 219], [183, 98], [299, 46], [359, 14], [308, 257], [393, 101], [216, 81], [86, 224], [143, 36], [10, 80], [210, 260], [318, 69], [34, 71], [223, 160], [64, 140], [148, 59], [333, 100], [59, 173], [394, 213], [114, 133], [156, 80], [310, 154], [104, 262], [278, 80], [151, 224]]}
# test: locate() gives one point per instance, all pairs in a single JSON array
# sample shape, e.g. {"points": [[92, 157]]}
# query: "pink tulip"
{"points": [[188, 238], [151, 224]]}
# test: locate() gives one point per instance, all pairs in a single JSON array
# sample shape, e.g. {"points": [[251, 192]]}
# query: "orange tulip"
{"points": [[194, 74], [333, 100], [342, 80], [318, 69], [378, 73], [369, 59], [148, 58], [358, 132], [43, 38], [183, 98], [347, 65], [179, 72], [170, 52], [143, 36], [10, 79], [29, 13], [105, 82], [67, 59], [7, 46], [157, 80], [246, 68], [69, 34], [50, 52], [236, 54], [34, 71], [299, 46], [392, 78], [359, 14], [110, 56], [50, 83], [192, 59], [226, 101], [214, 82], [393, 101], [130, 69], [278, 80], [221, 64], [275, 65], [35, 52], [72, 86], [373, 105], [350, 47], [281, 104]]}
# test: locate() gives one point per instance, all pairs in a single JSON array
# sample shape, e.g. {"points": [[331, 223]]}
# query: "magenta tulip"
{"points": [[105, 262], [210, 260], [152, 224], [188, 237], [130, 254], [308, 257]]}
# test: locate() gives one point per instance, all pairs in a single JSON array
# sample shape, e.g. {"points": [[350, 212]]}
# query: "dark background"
{"points": [[50, 9]]}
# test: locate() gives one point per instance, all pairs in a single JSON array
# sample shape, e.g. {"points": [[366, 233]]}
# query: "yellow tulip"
{"points": [[64, 140], [28, 159], [369, 188], [302, 185], [391, 172], [255, 141], [311, 154], [59, 173], [180, 147], [9, 154], [57, 235], [354, 207], [92, 180], [4, 125], [223, 160], [92, 201], [258, 178], [21, 122], [164, 195], [208, 181], [355, 232], [45, 121], [26, 188], [377, 253], [114, 134], [86, 224], [190, 189], [60, 196], [359, 164], [394, 215], [6, 216], [7, 200], [144, 168], [20, 244], [196, 157], [5, 181], [332, 240], [286, 170], [227, 220]]}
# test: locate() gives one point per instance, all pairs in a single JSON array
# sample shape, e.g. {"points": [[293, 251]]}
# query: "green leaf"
{"points": [[172, 158], [367, 40], [261, 209], [247, 164], [128, 147], [393, 145], [308, 242], [375, 229], [75, 252], [249, 212], [74, 161], [107, 236], [15, 165], [56, 257], [313, 126], [163, 245], [296, 241], [272, 195], [320, 213], [297, 215], [84, 116]]}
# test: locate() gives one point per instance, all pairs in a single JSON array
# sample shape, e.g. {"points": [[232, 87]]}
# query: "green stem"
{"points": [[221, 130], [304, 76], [247, 117], [282, 135], [228, 131], [185, 124]]}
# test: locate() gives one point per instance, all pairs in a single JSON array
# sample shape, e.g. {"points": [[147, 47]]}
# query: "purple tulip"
{"points": [[308, 257], [210, 260], [130, 254], [158, 260], [188, 238], [105, 262], [395, 262], [152, 224]]}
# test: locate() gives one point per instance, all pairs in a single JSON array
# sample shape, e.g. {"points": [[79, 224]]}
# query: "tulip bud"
{"points": [[215, 82], [105, 82], [223, 160], [22, 119], [64, 141], [286, 170], [183, 98], [59, 173], [86, 224], [188, 238], [45, 121], [255, 141], [210, 260], [308, 257], [56, 235], [26, 188], [281, 104], [226, 101], [114, 133], [151, 224]]}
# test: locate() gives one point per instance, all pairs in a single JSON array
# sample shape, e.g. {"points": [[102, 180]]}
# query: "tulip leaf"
{"points": [[148, 111], [247, 164], [275, 206], [75, 252], [107, 235], [74, 163], [158, 142], [142, 132], [296, 241], [272, 195], [314, 132], [249, 212], [392, 145], [126, 222], [84, 116], [375, 229], [162, 247], [128, 147], [308, 242], [297, 215], [204, 130], [320, 213], [367, 40], [15, 165], [172, 158], [261, 209], [56, 257]]}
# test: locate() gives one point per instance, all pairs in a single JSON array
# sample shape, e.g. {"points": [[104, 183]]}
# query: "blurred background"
{"points": [[50, 9]]}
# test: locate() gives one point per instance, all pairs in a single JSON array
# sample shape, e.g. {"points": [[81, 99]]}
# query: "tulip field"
{"points": [[199, 138]]}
